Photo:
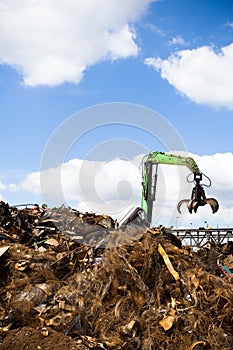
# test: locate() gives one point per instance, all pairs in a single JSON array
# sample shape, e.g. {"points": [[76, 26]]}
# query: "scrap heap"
{"points": [[72, 280]]}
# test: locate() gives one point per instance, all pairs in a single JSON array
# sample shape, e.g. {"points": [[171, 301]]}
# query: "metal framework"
{"points": [[197, 238]]}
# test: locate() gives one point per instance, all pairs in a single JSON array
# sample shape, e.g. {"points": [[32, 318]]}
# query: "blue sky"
{"points": [[174, 57]]}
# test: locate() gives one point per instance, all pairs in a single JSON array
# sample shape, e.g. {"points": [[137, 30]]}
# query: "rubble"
{"points": [[72, 280]]}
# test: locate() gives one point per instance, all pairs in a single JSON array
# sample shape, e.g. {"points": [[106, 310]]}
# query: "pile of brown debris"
{"points": [[72, 280]]}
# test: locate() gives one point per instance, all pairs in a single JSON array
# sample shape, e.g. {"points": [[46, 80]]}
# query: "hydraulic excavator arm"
{"points": [[149, 182]]}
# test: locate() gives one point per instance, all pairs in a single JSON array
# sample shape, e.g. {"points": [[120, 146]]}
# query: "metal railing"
{"points": [[200, 237]]}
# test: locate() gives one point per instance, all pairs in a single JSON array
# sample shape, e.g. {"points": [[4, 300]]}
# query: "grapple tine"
{"points": [[182, 202], [213, 204], [198, 198], [193, 205]]}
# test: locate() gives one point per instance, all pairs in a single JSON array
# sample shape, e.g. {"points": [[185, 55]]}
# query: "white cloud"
{"points": [[2, 198], [12, 187], [203, 75], [229, 25], [31, 183], [176, 40], [218, 167], [2, 186], [100, 186], [54, 41], [5, 188], [114, 187], [155, 29]]}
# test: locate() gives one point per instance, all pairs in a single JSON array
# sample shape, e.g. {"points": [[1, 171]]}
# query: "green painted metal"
{"points": [[160, 158], [164, 158]]}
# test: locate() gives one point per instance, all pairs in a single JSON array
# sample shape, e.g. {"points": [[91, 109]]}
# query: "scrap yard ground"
{"points": [[72, 280]]}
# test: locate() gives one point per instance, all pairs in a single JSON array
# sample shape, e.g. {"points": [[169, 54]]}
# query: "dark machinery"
{"points": [[149, 181]]}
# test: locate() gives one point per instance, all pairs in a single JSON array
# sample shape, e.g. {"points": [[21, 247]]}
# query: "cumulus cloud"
{"points": [[50, 42], [96, 184], [218, 167], [176, 40], [114, 187], [31, 183], [100, 186], [229, 25], [7, 188], [2, 198], [12, 187], [2, 186], [204, 75]]}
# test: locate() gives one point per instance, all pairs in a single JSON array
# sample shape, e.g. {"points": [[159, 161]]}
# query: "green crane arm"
{"points": [[163, 158], [149, 180]]}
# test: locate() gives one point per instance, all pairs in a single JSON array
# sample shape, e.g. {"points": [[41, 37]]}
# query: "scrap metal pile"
{"points": [[72, 280]]}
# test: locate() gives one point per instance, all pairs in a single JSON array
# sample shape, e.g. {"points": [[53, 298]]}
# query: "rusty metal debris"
{"points": [[72, 280]]}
